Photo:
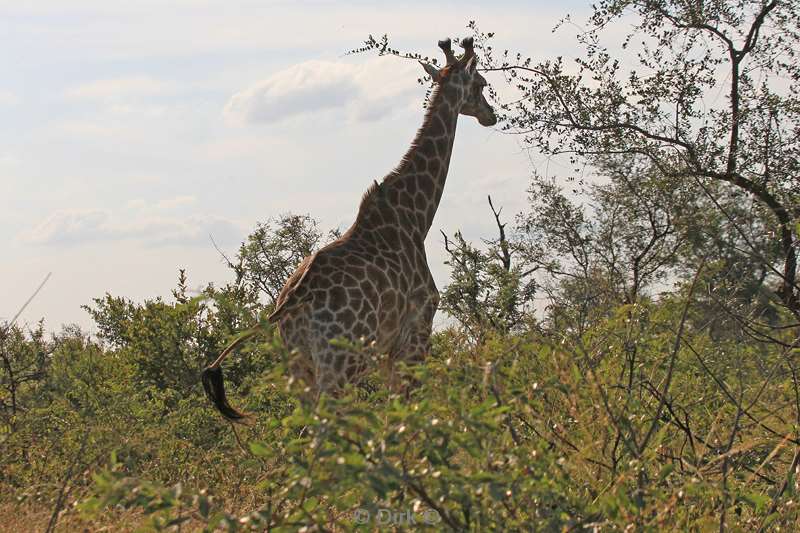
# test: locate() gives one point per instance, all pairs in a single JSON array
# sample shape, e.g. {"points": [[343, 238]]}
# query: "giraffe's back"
{"points": [[357, 290]]}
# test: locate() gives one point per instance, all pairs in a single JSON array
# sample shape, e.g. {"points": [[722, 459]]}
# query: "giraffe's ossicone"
{"points": [[373, 286]]}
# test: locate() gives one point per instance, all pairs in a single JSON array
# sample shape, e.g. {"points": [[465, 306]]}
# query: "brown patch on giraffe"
{"points": [[442, 146], [377, 276], [370, 294], [436, 127], [405, 199], [372, 321], [425, 185], [389, 235], [346, 316], [338, 364], [420, 219], [389, 300], [420, 201], [390, 217], [337, 297], [361, 330], [324, 315], [427, 148]]}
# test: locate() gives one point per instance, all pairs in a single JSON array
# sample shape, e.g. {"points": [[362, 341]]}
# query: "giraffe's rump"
{"points": [[289, 297]]}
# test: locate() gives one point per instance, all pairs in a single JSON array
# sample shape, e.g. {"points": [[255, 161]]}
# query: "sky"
{"points": [[133, 133]]}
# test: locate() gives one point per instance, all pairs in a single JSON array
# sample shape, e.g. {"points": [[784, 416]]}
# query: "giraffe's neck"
{"points": [[410, 194]]}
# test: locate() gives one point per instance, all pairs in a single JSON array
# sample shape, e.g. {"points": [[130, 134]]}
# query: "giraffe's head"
{"points": [[460, 79]]}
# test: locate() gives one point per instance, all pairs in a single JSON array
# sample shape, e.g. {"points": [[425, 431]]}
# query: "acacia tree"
{"points": [[667, 108], [605, 244], [273, 250], [490, 288]]}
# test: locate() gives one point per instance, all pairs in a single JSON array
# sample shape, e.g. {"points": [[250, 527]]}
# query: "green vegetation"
{"points": [[623, 357]]}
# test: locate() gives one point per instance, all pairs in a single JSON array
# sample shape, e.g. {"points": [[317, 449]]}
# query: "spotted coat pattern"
{"points": [[373, 284]]}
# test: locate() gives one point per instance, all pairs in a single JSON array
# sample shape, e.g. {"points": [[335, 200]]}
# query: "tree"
{"points": [[171, 342], [24, 357], [490, 289], [666, 111], [602, 245], [270, 254]]}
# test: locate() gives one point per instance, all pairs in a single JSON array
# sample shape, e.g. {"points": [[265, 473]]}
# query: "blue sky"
{"points": [[133, 131]]}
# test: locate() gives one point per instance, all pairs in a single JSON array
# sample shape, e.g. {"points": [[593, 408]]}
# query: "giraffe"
{"points": [[373, 284]]}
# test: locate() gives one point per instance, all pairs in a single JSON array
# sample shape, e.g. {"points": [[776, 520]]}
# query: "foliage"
{"points": [[271, 252], [491, 289], [657, 390], [519, 433], [655, 101], [642, 419]]}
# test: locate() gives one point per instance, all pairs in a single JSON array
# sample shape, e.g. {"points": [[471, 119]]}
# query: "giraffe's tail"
{"points": [[214, 384], [215, 390]]}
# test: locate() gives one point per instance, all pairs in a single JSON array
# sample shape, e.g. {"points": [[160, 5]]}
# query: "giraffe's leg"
{"points": [[334, 368], [294, 329], [416, 345]]}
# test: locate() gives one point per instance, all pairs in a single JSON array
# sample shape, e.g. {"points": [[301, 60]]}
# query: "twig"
{"points": [[496, 393], [673, 357], [726, 461], [51, 526], [29, 300], [784, 486], [239, 440]]}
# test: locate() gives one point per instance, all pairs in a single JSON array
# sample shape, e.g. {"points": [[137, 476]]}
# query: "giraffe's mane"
{"points": [[371, 193]]}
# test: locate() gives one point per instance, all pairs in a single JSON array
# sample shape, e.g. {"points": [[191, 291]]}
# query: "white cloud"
{"points": [[136, 203], [302, 88], [192, 230], [81, 226], [8, 98], [178, 201], [113, 89], [85, 129], [367, 91], [8, 159], [165, 204], [70, 226]]}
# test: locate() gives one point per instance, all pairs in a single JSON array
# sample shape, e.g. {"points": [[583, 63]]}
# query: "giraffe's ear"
{"points": [[432, 71]]}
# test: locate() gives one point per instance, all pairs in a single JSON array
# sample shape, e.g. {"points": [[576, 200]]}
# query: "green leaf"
{"points": [[178, 520], [769, 520], [259, 449], [665, 472], [203, 505], [756, 500]]}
